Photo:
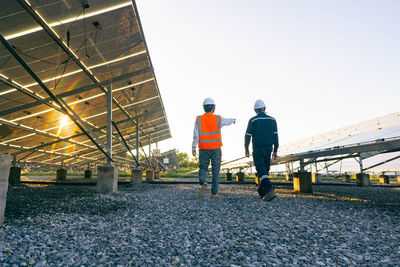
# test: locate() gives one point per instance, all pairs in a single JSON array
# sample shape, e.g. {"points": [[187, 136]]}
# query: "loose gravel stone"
{"points": [[167, 225]]}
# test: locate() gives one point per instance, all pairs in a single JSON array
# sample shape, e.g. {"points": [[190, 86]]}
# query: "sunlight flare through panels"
{"points": [[73, 46]]}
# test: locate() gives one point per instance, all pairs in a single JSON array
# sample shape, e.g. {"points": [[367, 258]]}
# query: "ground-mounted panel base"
{"points": [[61, 175], [316, 177], [302, 182], [346, 178], [362, 179], [107, 179], [384, 179], [136, 176], [88, 174], [15, 175], [5, 164], [240, 176], [149, 175]]}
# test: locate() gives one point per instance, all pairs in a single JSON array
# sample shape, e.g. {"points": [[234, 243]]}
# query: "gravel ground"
{"points": [[167, 225]]}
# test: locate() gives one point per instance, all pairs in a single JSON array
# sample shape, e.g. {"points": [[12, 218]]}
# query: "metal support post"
{"points": [[137, 143], [150, 148], [14, 161], [109, 126], [302, 165], [361, 165]]}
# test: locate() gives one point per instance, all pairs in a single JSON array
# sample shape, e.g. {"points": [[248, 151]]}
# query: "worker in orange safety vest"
{"points": [[207, 135]]}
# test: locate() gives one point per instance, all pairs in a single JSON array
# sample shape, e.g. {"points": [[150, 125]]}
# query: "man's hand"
{"points": [[247, 154], [194, 152], [274, 156]]}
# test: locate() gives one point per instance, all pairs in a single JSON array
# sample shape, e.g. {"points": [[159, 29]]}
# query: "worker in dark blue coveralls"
{"points": [[263, 132]]}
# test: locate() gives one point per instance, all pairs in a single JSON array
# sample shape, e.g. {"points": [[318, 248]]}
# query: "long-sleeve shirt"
{"points": [[264, 132], [224, 122]]}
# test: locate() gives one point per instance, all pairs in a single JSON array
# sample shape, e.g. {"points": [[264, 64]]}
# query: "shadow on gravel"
{"points": [[27, 201]]}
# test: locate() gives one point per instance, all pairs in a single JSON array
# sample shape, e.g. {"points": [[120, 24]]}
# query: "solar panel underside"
{"points": [[103, 41]]}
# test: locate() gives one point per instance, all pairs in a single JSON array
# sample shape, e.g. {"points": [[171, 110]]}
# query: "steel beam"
{"points": [[109, 121], [124, 142], [137, 143], [383, 162]]}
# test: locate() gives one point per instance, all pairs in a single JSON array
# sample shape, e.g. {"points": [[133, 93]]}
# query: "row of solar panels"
{"points": [[76, 49]]}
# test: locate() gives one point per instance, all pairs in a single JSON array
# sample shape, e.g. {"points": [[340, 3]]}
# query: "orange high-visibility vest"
{"points": [[209, 126]]}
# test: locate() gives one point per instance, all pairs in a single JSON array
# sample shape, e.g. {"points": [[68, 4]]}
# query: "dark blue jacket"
{"points": [[264, 132]]}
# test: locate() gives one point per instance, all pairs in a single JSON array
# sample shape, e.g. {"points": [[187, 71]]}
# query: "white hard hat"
{"points": [[208, 101], [259, 104]]}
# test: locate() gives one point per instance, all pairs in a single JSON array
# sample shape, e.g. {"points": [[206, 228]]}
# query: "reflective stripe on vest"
{"points": [[209, 126]]}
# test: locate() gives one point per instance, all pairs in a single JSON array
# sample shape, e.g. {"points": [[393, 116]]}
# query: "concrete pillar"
{"points": [[316, 177], [362, 179], [302, 182], [5, 163], [149, 175], [61, 175], [229, 176], [88, 174], [240, 176], [289, 176], [107, 179], [136, 177], [384, 179], [15, 175], [346, 178], [156, 174]]}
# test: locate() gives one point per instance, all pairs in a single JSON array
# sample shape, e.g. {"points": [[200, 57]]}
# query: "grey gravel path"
{"points": [[159, 225]]}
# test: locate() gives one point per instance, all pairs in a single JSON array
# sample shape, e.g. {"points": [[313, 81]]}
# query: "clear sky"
{"points": [[318, 65]]}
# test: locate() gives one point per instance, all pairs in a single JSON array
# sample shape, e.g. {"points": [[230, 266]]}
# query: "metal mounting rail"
{"points": [[124, 142]]}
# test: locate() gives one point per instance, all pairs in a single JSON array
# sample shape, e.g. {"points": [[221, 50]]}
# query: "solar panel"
{"points": [[76, 49]]}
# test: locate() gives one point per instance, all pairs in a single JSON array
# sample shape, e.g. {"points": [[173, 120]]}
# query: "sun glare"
{"points": [[63, 122]]}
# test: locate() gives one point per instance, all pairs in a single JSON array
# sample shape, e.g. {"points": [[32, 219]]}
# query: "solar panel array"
{"points": [[384, 127], [368, 138], [76, 48]]}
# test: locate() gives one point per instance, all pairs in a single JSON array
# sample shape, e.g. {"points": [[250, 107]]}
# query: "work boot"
{"points": [[270, 195], [263, 186], [214, 196], [202, 191]]}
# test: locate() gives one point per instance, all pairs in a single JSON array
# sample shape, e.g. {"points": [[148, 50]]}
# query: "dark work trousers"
{"points": [[262, 161], [205, 155]]}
